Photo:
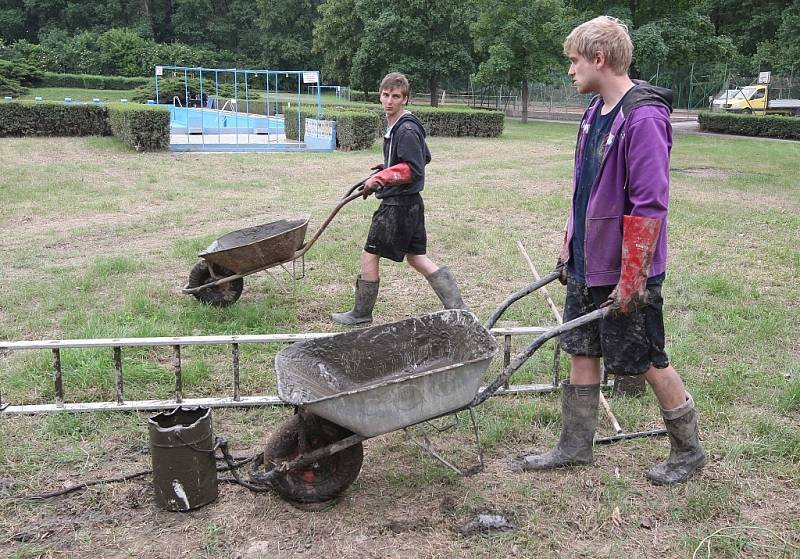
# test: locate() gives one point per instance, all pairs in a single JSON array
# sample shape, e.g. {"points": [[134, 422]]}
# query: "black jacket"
{"points": [[406, 144]]}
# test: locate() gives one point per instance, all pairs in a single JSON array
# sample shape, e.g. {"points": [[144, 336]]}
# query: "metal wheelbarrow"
{"points": [[218, 278], [353, 386]]}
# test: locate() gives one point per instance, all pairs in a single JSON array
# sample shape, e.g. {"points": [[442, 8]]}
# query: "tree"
{"points": [[158, 14], [231, 25], [521, 41], [337, 36], [12, 21], [748, 23], [287, 30], [679, 40], [426, 39]]}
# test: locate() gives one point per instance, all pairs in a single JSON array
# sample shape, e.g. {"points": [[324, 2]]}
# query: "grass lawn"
{"points": [[98, 242], [78, 94]]}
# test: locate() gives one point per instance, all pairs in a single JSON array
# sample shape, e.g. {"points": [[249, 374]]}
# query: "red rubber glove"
{"points": [[396, 175], [639, 238]]}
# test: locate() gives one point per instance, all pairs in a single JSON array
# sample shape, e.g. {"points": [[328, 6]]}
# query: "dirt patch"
{"points": [[709, 172]]}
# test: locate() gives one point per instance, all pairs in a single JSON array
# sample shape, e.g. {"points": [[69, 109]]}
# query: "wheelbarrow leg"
{"points": [[426, 445]]}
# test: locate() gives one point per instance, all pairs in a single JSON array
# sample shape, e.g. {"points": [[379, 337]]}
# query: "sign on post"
{"points": [[764, 77], [310, 77], [320, 135]]}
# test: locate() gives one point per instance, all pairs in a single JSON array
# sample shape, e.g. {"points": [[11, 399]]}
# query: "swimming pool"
{"points": [[212, 121]]}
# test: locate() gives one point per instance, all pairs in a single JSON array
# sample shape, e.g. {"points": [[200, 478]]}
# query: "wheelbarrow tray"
{"points": [[258, 247], [379, 379]]}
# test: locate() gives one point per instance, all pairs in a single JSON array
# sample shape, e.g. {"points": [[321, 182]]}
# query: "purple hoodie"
{"points": [[633, 180]]}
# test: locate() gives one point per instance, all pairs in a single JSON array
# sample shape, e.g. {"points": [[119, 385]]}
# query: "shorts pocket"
{"points": [[603, 244]]}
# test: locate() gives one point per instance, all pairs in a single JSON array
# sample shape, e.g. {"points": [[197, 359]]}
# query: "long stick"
{"points": [[543, 289], [614, 423]]}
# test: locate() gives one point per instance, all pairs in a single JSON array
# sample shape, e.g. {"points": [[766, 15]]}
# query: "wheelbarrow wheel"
{"points": [[323, 480], [219, 295]]}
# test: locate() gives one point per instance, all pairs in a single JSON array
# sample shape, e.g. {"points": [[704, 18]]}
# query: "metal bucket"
{"points": [[184, 467]]}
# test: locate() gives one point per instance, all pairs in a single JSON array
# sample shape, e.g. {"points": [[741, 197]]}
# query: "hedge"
{"points": [[142, 127], [86, 81], [355, 132], [787, 127], [461, 122], [26, 118], [371, 97], [355, 128]]}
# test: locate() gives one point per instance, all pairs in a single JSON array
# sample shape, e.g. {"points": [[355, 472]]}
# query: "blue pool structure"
{"points": [[212, 121], [206, 120]]}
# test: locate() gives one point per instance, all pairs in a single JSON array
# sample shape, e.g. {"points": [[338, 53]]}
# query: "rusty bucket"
{"points": [[184, 468]]}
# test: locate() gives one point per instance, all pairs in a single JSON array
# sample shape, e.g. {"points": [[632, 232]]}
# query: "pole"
{"points": [[299, 113], [216, 95], [202, 116], [319, 95], [186, 99], [689, 97], [236, 104]]}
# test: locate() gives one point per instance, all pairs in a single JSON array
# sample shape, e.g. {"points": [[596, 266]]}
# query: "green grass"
{"points": [[77, 94], [100, 241]]}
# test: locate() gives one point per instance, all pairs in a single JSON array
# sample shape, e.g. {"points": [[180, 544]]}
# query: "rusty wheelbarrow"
{"points": [[218, 278], [353, 386]]}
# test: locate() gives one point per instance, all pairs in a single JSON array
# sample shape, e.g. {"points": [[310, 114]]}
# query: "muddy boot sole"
{"points": [[552, 460], [345, 319]]}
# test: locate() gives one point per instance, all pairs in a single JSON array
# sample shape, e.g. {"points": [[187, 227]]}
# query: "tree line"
{"points": [[439, 43]]}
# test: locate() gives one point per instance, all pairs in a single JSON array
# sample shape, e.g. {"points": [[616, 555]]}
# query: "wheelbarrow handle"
{"points": [[514, 297], [349, 196], [339, 206], [356, 185], [520, 359]]}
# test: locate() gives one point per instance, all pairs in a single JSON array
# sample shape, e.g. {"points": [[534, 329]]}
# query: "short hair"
{"points": [[604, 34], [395, 80]]}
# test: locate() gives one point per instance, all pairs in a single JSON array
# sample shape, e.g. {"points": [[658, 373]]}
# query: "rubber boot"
{"points": [[446, 288], [366, 295], [579, 422], [686, 456]]}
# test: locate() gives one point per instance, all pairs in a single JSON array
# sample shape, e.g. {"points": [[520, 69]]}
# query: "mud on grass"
{"points": [[100, 244]]}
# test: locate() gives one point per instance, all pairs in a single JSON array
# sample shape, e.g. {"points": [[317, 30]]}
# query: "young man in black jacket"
{"points": [[398, 225]]}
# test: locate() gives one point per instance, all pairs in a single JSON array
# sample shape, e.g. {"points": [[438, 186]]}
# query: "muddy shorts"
{"points": [[629, 344], [398, 228]]}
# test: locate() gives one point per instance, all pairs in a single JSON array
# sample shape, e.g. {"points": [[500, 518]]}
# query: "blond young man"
{"points": [[398, 231], [618, 219]]}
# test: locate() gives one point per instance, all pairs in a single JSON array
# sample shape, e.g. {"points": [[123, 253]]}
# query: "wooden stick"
{"points": [[614, 423], [542, 289]]}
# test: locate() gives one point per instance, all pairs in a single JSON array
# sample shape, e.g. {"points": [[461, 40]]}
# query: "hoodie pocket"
{"points": [[603, 244]]}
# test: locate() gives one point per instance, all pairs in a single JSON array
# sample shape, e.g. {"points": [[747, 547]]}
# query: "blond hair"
{"points": [[395, 80], [602, 34]]}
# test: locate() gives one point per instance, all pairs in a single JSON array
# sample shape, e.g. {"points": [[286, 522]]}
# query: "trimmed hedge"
{"points": [[356, 132], [461, 122], [371, 97], [26, 118], [355, 128], [85, 81], [142, 127], [786, 127]]}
